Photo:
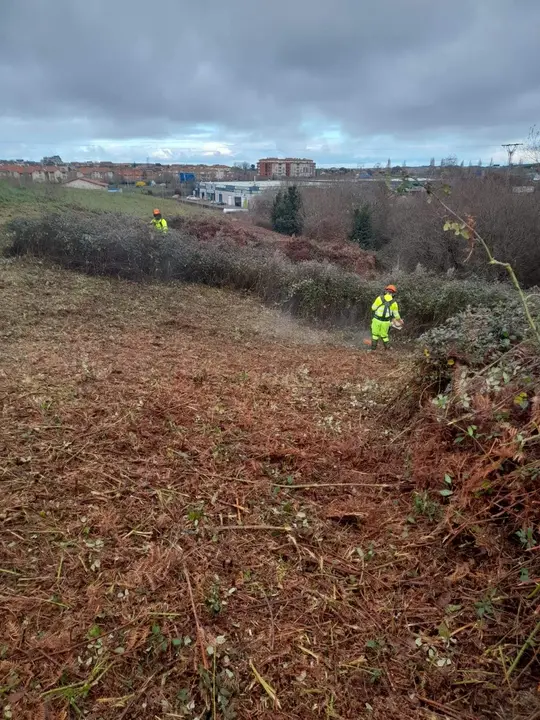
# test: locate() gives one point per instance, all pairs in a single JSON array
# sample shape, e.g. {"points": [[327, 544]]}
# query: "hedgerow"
{"points": [[121, 245]]}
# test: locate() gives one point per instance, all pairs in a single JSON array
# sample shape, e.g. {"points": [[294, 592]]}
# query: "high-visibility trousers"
{"points": [[379, 330]]}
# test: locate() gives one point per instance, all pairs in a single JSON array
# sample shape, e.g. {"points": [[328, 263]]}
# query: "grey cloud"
{"points": [[131, 68]]}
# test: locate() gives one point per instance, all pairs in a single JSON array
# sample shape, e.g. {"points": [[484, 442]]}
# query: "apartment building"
{"points": [[286, 168]]}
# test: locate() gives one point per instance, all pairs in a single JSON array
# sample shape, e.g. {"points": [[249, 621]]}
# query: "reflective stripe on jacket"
{"points": [[385, 308], [160, 225]]}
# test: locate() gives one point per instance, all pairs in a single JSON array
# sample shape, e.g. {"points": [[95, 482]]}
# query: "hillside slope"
{"points": [[206, 225], [206, 513], [31, 200]]}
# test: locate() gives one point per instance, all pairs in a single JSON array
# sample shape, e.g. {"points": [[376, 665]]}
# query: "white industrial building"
{"points": [[238, 195]]}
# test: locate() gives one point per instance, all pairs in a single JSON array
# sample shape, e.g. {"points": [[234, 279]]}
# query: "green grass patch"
{"points": [[32, 200]]}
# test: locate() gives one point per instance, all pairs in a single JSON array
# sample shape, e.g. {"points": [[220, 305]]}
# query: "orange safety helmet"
{"points": [[157, 212], [391, 289]]}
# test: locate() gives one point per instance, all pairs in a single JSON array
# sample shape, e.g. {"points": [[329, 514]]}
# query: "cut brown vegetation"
{"points": [[240, 232], [209, 512]]}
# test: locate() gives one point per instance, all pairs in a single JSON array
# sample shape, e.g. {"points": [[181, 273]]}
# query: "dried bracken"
{"points": [[203, 518]]}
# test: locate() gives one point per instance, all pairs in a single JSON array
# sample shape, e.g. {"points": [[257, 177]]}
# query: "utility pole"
{"points": [[510, 149]]}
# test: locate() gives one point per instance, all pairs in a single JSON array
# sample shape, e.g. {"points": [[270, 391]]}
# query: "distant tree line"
{"points": [[405, 231]]}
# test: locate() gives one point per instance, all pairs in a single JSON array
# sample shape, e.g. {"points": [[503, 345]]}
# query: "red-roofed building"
{"points": [[14, 171], [36, 173], [103, 173], [51, 173]]}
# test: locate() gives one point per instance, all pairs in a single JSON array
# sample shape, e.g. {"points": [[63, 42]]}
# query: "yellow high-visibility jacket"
{"points": [[385, 308], [160, 225]]}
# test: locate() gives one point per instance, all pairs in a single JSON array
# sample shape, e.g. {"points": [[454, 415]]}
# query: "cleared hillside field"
{"points": [[204, 516]]}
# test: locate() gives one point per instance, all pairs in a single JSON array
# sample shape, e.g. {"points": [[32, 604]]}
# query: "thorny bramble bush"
{"points": [[479, 335]]}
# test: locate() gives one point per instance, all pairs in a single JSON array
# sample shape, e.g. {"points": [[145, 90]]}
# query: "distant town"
{"points": [[233, 187], [54, 169]]}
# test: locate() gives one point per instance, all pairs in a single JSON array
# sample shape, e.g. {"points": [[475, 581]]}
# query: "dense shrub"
{"points": [[477, 336], [362, 231], [112, 244], [97, 243]]}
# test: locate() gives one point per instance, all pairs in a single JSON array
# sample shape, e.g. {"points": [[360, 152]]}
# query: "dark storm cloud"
{"points": [[129, 68]]}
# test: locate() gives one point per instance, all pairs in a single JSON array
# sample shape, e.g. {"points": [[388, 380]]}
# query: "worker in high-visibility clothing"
{"points": [[159, 223], [385, 309]]}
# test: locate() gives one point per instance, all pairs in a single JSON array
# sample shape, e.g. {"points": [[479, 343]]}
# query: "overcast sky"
{"points": [[341, 81]]}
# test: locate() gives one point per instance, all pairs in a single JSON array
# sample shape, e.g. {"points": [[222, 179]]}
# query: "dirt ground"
{"points": [[202, 517]]}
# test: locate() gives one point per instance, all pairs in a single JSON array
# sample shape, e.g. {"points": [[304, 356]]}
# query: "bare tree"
{"points": [[532, 145], [450, 161], [329, 210], [509, 221], [412, 233], [242, 170]]}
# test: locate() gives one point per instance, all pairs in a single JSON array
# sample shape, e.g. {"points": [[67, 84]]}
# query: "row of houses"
{"points": [[33, 173], [53, 170], [53, 173], [109, 173]]}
